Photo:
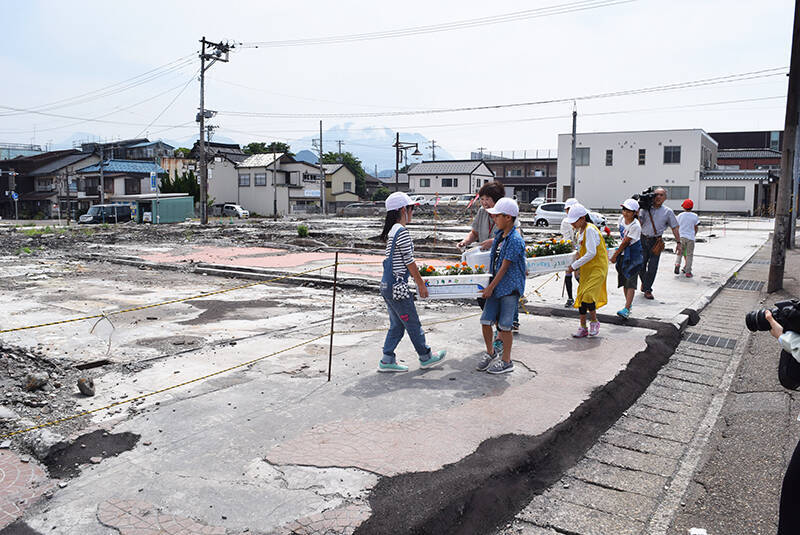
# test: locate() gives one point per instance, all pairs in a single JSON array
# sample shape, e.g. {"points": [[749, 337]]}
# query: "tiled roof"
{"points": [[260, 160], [124, 166], [55, 165], [464, 167], [727, 174], [331, 168], [747, 153], [147, 144]]}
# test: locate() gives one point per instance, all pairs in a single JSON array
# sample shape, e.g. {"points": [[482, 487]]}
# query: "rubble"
{"points": [[86, 386], [35, 381]]}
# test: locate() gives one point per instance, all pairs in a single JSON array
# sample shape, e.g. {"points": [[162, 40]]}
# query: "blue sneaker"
{"points": [[389, 367], [625, 313], [433, 360], [484, 362], [500, 366]]}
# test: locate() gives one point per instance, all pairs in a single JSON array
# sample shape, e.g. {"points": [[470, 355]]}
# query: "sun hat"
{"points": [[569, 203], [397, 200], [631, 204], [687, 204], [576, 212], [506, 205]]}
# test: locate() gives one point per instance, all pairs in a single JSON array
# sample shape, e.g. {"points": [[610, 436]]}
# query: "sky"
{"points": [[61, 50]]}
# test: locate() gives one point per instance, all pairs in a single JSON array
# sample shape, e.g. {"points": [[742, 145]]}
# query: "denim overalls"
{"points": [[402, 315]]}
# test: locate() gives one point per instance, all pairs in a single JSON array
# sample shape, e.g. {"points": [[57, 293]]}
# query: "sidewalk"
{"points": [[274, 448]]}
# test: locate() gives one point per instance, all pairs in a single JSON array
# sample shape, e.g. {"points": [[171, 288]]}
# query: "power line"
{"points": [[558, 9], [113, 89], [730, 78], [171, 102]]}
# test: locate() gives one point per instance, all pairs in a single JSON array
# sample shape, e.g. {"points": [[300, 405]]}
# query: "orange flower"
{"points": [[482, 266], [448, 267], [463, 263]]}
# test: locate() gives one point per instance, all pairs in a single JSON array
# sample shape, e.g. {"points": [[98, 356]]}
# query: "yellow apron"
{"points": [[592, 284]]}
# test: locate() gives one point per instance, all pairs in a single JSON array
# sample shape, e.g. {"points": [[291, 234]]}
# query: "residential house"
{"points": [[611, 166], [389, 182], [372, 184], [177, 165], [120, 178], [12, 150], [149, 150], [449, 177], [262, 186], [762, 139], [340, 186], [527, 178], [304, 186]]}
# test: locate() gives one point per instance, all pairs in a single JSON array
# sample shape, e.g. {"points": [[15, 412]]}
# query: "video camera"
{"points": [[646, 199], [787, 314]]}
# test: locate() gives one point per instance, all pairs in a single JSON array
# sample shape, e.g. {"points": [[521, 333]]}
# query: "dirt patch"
{"points": [[216, 310], [97, 444]]}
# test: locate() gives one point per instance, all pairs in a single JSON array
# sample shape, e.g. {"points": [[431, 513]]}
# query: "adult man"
{"points": [[654, 222]]}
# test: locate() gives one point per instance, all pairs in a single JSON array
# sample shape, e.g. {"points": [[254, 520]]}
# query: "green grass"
{"points": [[302, 230], [23, 250]]}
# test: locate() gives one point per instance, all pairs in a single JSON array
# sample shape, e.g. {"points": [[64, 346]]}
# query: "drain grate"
{"points": [[762, 262], [744, 284], [710, 340]]}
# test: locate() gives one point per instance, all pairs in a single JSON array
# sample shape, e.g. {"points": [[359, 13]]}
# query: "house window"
{"points": [[424, 182], [259, 178], [133, 186], [725, 193], [672, 154], [609, 157], [642, 156], [538, 172], [774, 140], [677, 192], [478, 183], [244, 180], [348, 186], [449, 182], [514, 172], [582, 156]]}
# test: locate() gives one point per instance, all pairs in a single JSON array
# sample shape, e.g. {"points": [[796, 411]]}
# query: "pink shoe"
{"points": [[582, 333], [689, 275], [594, 328]]}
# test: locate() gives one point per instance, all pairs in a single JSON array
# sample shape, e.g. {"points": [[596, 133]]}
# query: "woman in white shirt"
{"points": [[630, 251], [568, 233]]}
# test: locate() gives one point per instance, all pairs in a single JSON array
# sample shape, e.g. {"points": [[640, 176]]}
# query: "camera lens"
{"points": [[755, 320]]}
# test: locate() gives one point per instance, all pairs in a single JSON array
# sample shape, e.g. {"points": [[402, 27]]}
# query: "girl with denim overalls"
{"points": [[397, 267]]}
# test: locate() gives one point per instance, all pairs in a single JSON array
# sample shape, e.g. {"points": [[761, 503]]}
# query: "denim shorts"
{"points": [[500, 310]]}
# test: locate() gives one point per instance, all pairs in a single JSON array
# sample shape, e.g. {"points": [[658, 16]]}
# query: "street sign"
{"points": [[153, 179], [15, 195]]}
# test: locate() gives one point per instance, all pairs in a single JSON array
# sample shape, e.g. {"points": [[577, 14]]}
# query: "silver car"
{"points": [[551, 213]]}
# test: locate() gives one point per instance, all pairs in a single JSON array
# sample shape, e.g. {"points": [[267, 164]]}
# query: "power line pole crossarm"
{"points": [[782, 212]]}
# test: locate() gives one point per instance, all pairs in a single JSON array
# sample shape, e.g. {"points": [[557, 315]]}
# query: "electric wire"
{"points": [[547, 11], [168, 106]]}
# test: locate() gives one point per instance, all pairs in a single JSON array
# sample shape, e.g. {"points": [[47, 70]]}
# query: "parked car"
{"points": [[234, 210], [418, 199], [552, 213], [464, 200], [538, 201], [106, 213], [363, 208], [443, 200]]}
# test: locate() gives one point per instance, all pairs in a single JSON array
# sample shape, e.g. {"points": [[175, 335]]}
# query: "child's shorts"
{"points": [[500, 310]]}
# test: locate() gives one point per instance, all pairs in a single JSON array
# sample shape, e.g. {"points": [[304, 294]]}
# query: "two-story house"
{"points": [[340, 186], [449, 177]]}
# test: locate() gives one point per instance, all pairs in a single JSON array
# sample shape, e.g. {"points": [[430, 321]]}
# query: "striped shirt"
{"points": [[403, 249]]}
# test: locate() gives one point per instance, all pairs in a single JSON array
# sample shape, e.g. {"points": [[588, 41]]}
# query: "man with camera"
{"points": [[783, 322], [654, 218]]}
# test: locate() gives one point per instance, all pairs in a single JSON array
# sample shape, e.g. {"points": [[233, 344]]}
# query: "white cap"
{"points": [[569, 203], [397, 200], [576, 212], [631, 204], [506, 205]]}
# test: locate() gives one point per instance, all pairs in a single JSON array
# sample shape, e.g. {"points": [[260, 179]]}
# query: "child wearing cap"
{"points": [[568, 234], [397, 266], [507, 266], [628, 256], [592, 262], [688, 223]]}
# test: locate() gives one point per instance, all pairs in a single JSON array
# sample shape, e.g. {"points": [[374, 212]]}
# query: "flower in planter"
{"points": [[610, 241], [549, 248], [428, 271]]}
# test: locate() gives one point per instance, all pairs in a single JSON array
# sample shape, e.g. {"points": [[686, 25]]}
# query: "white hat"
{"points": [[506, 205], [397, 200], [631, 204], [569, 203], [576, 212]]}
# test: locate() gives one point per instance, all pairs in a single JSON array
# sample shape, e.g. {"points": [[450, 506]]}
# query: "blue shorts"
{"points": [[500, 310]]}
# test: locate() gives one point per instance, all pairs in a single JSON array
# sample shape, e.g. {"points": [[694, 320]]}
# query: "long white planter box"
{"points": [[456, 286], [536, 266]]}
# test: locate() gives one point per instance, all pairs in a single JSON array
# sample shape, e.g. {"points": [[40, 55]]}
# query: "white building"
{"points": [[612, 166], [449, 177]]}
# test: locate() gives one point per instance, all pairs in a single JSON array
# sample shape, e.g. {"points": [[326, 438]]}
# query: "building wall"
{"points": [[751, 163], [181, 165], [260, 199], [601, 186], [335, 184], [743, 206], [223, 182]]}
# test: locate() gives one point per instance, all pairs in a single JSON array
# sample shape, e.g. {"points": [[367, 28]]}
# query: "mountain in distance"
{"points": [[372, 145], [307, 156]]}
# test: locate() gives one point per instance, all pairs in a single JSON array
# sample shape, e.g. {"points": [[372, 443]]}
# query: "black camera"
{"points": [[646, 198], [786, 313]]}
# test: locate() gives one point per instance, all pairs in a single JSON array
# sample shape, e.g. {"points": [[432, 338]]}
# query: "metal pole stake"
{"points": [[333, 312]]}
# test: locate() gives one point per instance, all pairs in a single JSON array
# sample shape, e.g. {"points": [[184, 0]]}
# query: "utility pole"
{"points": [[66, 183], [782, 213], [480, 150], [432, 146], [397, 163], [274, 185], [574, 153], [339, 142], [102, 179], [220, 53], [321, 173]]}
